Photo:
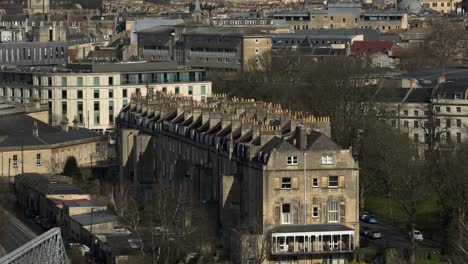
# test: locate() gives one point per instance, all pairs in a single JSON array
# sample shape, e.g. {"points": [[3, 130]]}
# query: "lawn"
{"points": [[428, 219]]}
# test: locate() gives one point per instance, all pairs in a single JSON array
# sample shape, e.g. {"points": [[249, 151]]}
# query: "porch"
{"points": [[312, 239]]}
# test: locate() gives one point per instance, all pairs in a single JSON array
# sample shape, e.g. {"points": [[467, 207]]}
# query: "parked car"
{"points": [[364, 215], [374, 234], [418, 236], [371, 219]]}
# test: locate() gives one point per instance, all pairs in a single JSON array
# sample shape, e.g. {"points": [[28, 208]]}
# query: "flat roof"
{"points": [[98, 217], [226, 31], [310, 228], [122, 67]]}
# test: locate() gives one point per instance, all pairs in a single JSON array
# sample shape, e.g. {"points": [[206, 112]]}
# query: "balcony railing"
{"points": [[213, 54]]}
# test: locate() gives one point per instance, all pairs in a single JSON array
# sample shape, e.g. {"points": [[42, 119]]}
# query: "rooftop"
{"points": [[311, 228], [98, 217], [104, 67], [48, 184], [10, 108], [226, 31], [13, 124]]}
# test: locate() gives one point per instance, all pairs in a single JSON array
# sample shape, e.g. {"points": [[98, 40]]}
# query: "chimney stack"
{"points": [[65, 124], [35, 129], [301, 137], [75, 123]]}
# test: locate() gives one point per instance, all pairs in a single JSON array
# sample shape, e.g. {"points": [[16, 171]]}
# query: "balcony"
{"points": [[213, 54], [312, 239]]}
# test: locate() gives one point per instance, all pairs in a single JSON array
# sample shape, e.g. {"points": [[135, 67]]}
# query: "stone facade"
{"points": [[344, 15], [265, 168], [95, 96]]}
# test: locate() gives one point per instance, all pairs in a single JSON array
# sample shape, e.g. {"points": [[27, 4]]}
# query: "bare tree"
{"points": [[256, 244], [446, 41], [119, 196]]}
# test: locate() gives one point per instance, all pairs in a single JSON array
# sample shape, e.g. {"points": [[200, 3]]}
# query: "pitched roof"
{"points": [[12, 125], [318, 141], [47, 184], [277, 143]]}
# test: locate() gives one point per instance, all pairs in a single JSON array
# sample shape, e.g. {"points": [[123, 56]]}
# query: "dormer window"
{"points": [[327, 159], [292, 160]]}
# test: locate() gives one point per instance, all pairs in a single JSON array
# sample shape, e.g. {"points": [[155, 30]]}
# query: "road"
{"points": [[393, 238], [14, 232]]}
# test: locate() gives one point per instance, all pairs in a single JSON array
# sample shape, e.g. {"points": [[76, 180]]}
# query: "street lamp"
{"points": [[22, 152]]}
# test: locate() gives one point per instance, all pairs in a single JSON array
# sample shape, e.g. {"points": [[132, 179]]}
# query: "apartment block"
{"points": [[427, 99], [261, 167], [442, 6], [344, 15], [215, 49], [93, 94], [33, 53]]}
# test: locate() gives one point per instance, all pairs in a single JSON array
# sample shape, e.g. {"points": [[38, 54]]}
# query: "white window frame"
{"points": [[337, 181], [327, 159], [38, 159], [285, 183], [15, 161], [333, 214], [315, 183], [315, 212], [292, 160], [285, 217]]}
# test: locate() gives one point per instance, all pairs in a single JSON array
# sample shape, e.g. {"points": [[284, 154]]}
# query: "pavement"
{"points": [[393, 237]]}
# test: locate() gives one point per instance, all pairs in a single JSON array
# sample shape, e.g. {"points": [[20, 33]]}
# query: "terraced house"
{"points": [[265, 169]]}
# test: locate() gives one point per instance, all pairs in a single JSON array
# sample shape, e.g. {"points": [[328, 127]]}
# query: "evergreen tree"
{"points": [[71, 168]]}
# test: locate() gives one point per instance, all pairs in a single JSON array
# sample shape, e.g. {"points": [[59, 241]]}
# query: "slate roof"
{"points": [[12, 125], [452, 74], [310, 228], [318, 141], [277, 143], [47, 184]]}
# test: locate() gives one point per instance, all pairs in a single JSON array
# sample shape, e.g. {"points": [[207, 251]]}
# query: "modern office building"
{"points": [[258, 166], [93, 94], [215, 49]]}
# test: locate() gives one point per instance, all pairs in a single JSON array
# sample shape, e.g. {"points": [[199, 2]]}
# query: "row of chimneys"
{"points": [[64, 126]]}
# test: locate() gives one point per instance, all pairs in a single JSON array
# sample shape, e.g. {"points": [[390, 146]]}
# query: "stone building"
{"points": [[344, 15], [33, 53], [28, 145], [430, 100], [94, 93], [215, 49], [263, 168]]}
